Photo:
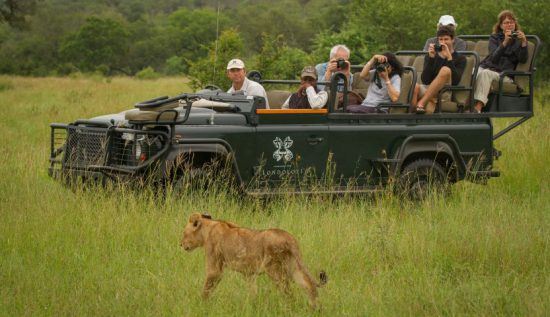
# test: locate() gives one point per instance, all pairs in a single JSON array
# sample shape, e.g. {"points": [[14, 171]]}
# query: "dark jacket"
{"points": [[298, 100], [433, 65], [502, 58]]}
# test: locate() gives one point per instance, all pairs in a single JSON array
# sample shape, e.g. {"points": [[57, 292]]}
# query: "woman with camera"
{"points": [[507, 48], [384, 71]]}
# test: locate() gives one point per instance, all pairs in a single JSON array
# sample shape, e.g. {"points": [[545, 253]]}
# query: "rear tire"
{"points": [[422, 178]]}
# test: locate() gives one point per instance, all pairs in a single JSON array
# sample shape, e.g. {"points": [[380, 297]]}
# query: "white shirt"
{"points": [[316, 100], [251, 88]]}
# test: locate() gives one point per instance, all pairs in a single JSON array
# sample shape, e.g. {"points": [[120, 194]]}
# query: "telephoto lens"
{"points": [[438, 47]]}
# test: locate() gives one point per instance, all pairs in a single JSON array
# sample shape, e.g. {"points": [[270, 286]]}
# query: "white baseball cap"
{"points": [[235, 63], [447, 20]]}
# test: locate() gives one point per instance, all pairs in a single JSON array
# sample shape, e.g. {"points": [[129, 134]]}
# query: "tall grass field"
{"points": [[482, 250]]}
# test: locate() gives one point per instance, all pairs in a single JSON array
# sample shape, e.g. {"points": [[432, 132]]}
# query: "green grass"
{"points": [[483, 250]]}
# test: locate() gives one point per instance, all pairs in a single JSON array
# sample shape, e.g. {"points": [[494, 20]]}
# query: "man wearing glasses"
{"points": [[307, 96]]}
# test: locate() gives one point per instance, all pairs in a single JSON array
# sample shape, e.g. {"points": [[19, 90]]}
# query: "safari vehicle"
{"points": [[165, 138]]}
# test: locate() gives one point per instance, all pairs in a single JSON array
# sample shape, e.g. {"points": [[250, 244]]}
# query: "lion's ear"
{"points": [[206, 215], [195, 219]]}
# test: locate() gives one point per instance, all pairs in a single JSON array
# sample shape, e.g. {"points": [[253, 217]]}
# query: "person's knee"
{"points": [[445, 72]]}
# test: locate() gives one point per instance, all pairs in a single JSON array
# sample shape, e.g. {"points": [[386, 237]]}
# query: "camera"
{"points": [[381, 67], [438, 47], [514, 35], [341, 63]]}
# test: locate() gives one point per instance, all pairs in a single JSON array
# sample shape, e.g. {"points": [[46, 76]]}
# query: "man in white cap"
{"points": [[307, 96], [459, 44], [236, 72]]}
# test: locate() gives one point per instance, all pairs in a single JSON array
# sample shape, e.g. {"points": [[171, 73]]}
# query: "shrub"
{"points": [[147, 73]]}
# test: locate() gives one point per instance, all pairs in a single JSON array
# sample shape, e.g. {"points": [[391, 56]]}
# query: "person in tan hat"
{"points": [[236, 72], [307, 96]]}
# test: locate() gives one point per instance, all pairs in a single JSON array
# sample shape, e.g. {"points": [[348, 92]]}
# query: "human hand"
{"points": [[384, 75], [431, 50], [521, 36], [445, 52], [507, 37]]}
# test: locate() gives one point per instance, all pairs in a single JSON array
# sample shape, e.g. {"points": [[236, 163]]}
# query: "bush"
{"points": [[147, 73], [175, 65]]}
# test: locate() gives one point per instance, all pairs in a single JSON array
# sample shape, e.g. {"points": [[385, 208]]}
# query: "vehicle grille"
{"points": [[81, 147], [85, 146]]}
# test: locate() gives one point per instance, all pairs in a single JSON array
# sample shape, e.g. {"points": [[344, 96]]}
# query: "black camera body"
{"points": [[341, 63], [438, 47], [381, 67], [514, 35]]}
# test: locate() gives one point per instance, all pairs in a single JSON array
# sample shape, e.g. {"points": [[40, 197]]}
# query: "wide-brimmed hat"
{"points": [[235, 63], [309, 71]]}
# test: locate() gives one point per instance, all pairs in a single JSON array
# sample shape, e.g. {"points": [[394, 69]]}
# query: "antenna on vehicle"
{"points": [[216, 43]]}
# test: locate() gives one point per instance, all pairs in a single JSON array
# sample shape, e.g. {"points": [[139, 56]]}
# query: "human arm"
{"points": [[428, 72], [394, 87], [316, 100], [522, 52], [257, 90], [286, 104]]}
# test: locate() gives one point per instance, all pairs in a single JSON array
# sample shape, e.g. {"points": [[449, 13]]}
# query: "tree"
{"points": [[14, 11], [98, 42], [211, 69]]}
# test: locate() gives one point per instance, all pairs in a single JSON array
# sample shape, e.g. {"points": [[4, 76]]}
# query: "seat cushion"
{"points": [[139, 115]]}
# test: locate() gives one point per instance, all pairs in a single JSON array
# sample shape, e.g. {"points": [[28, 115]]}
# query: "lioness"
{"points": [[250, 252]]}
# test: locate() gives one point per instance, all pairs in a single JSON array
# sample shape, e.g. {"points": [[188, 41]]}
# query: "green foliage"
{"points": [[175, 65], [14, 12], [277, 60], [151, 32], [212, 69], [98, 42], [147, 73]]}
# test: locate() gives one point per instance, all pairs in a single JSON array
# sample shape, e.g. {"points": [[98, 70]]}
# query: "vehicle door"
{"points": [[291, 146]]}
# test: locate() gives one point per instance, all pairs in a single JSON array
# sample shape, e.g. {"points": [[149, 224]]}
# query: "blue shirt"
{"points": [[321, 70]]}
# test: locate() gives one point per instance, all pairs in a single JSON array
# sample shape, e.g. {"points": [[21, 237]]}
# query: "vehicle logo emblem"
{"points": [[282, 152]]}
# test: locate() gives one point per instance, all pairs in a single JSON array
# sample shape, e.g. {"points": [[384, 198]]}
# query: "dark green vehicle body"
{"points": [[274, 146]]}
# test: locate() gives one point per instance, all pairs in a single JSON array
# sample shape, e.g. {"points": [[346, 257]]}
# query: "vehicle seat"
{"points": [[277, 98], [462, 98], [470, 46], [407, 85], [360, 85], [418, 65], [141, 115], [151, 113], [406, 60], [521, 82]]}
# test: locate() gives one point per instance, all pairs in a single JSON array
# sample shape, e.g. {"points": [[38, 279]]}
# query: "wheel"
{"points": [[422, 178]]}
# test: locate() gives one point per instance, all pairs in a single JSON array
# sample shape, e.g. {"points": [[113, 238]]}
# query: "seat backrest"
{"points": [[360, 85], [406, 60], [482, 48], [462, 97], [418, 65], [406, 86], [277, 98], [523, 81], [470, 45]]}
